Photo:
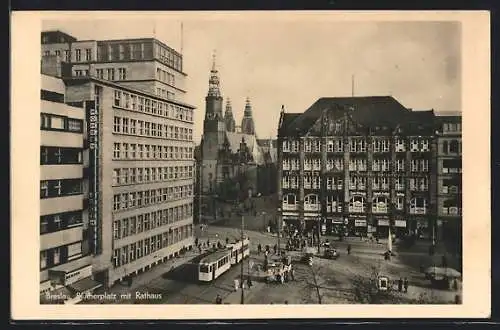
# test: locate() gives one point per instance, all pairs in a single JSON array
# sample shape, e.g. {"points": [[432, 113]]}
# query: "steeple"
{"points": [[247, 124], [213, 82], [228, 117]]}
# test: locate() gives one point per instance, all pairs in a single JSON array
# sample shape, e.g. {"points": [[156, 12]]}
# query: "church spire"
{"points": [[228, 117], [247, 124], [213, 82]]}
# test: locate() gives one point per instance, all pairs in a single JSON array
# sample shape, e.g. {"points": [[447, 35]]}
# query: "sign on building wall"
{"points": [[92, 114]]}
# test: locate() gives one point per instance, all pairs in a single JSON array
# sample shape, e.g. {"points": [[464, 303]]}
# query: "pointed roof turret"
{"points": [[214, 82]]}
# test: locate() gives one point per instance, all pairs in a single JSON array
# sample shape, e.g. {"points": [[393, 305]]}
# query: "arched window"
{"points": [[311, 203], [357, 204], [380, 205], [418, 205], [454, 146], [445, 147], [289, 202]]}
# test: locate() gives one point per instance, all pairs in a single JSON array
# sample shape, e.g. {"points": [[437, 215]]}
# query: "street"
{"points": [[331, 281]]}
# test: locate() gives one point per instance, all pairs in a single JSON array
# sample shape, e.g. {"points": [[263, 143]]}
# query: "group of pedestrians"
{"points": [[403, 285]]}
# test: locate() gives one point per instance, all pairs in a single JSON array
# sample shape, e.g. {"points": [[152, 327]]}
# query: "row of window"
{"points": [[151, 129], [60, 255], [356, 182], [150, 245], [162, 92], [60, 155], [145, 198], [149, 221], [60, 188], [452, 127], [380, 204], [168, 57], [337, 164], [165, 76], [67, 54], [126, 176], [358, 145], [129, 51], [134, 102], [110, 73], [60, 221], [145, 151], [50, 121]]}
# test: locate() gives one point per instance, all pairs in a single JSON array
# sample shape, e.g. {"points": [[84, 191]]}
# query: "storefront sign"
{"points": [[400, 223], [359, 223], [337, 220], [383, 222], [92, 114]]}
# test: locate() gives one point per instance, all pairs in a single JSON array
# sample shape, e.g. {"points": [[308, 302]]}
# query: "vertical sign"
{"points": [[93, 172]]}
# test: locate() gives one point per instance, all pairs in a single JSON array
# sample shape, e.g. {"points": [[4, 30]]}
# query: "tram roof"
{"points": [[214, 256]]}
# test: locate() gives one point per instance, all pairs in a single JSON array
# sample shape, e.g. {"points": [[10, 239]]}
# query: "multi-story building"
{"points": [[146, 64], [358, 166], [138, 154], [65, 263], [449, 177]]}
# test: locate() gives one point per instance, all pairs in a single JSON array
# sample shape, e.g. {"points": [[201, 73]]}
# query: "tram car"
{"points": [[217, 263], [239, 250]]}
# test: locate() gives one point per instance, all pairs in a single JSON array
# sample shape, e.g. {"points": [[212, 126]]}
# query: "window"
{"points": [[111, 74], [400, 165], [133, 123], [78, 55], [116, 176], [454, 147], [59, 188], [56, 155], [43, 259], [418, 205], [125, 125], [311, 203], [100, 73], [357, 204], [400, 202], [118, 98], [380, 205], [88, 54], [400, 145], [116, 151], [445, 147], [122, 74], [67, 55], [117, 125]]}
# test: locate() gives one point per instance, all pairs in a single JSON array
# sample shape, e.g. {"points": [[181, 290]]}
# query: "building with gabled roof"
{"points": [[358, 166]]}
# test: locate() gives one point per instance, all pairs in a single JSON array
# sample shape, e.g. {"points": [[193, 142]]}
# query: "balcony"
{"points": [[356, 209], [290, 207], [418, 210], [312, 207]]}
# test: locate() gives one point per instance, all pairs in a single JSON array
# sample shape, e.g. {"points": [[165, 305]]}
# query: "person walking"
{"points": [[249, 282], [405, 283], [349, 249], [275, 248], [292, 274], [259, 248], [400, 285], [196, 241], [218, 299], [236, 284]]}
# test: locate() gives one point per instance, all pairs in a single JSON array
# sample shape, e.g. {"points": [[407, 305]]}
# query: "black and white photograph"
{"points": [[253, 159]]}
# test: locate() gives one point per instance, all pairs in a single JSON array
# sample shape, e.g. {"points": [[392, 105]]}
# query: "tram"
{"points": [[217, 263]]}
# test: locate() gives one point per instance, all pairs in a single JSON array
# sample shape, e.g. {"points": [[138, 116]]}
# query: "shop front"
{"points": [[383, 223], [360, 227], [291, 222], [400, 229], [334, 225]]}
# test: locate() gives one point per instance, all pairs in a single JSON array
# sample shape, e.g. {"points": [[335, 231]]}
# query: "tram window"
{"points": [[203, 269]]}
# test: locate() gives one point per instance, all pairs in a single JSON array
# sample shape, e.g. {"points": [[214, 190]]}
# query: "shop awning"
{"points": [[84, 285]]}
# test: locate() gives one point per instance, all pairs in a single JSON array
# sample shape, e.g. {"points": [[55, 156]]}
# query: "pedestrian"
{"points": [[349, 249], [405, 283], [199, 248], [292, 274], [218, 300], [259, 248], [275, 248], [208, 242], [400, 285], [196, 241], [249, 282], [267, 248], [286, 302], [227, 240], [236, 284]]}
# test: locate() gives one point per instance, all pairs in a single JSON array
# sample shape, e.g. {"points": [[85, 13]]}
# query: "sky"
{"points": [[292, 61]]}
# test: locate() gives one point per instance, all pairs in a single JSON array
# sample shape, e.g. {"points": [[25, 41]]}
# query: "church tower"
{"points": [[228, 117], [247, 124], [214, 127]]}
